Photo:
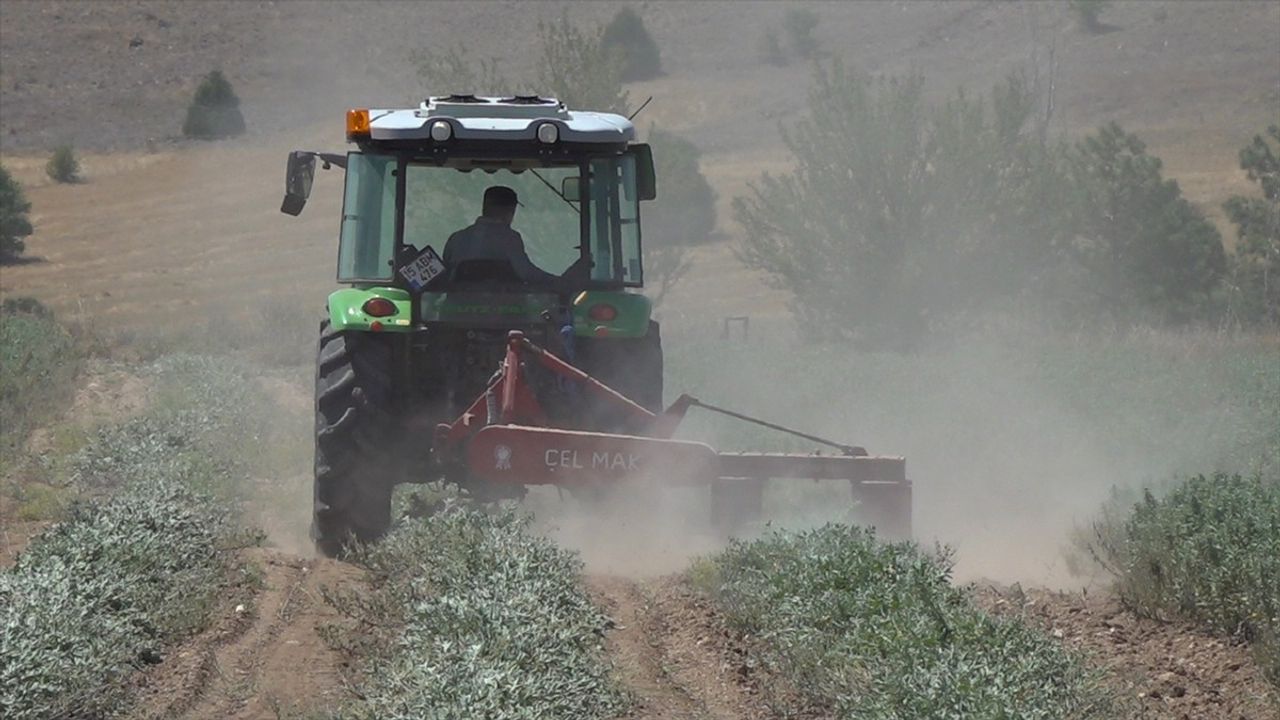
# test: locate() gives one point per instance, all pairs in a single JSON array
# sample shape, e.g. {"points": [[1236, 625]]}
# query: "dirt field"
{"points": [[1173, 671], [264, 657]]}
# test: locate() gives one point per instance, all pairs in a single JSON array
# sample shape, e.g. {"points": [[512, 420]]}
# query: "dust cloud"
{"points": [[1014, 442], [640, 529]]}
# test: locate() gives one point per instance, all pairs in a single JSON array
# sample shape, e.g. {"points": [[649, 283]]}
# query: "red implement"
{"points": [[506, 437]]}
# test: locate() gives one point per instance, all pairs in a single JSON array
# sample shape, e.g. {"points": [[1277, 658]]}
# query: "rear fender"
{"points": [[346, 309], [631, 314]]}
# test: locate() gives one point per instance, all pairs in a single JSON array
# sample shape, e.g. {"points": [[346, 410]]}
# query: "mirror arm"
{"points": [[332, 159], [553, 189]]}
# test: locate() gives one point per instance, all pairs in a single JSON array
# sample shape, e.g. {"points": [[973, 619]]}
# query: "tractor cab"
{"points": [[418, 176]]}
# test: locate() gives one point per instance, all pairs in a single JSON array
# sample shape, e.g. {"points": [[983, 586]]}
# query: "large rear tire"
{"points": [[355, 435], [632, 366]]}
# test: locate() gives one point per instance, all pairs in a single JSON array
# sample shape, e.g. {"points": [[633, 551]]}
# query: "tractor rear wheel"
{"points": [[355, 437], [632, 366]]}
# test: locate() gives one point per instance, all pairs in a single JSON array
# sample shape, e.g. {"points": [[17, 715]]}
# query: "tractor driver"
{"points": [[491, 238]]}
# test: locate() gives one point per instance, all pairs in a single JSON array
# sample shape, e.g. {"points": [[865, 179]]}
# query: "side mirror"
{"points": [[571, 189], [299, 174], [646, 178]]}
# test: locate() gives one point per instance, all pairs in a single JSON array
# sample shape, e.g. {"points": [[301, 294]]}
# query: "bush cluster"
{"points": [[1087, 12], [683, 215], [799, 24], [627, 36], [214, 111], [576, 67], [1209, 550], [63, 166], [100, 594], [106, 590], [1255, 271], [38, 363], [489, 621], [200, 431], [14, 224], [868, 630], [906, 218]]}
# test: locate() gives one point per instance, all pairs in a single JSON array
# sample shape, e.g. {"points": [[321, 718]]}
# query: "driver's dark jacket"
{"points": [[490, 239]]}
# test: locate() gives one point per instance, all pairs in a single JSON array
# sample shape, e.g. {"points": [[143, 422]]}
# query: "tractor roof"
{"points": [[519, 118]]}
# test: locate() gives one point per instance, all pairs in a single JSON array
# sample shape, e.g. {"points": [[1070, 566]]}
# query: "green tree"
{"points": [[63, 166], [799, 24], [627, 37], [771, 49], [1087, 12], [1142, 251], [1256, 262], [14, 225], [214, 111], [457, 72], [683, 215], [899, 217], [576, 67]]}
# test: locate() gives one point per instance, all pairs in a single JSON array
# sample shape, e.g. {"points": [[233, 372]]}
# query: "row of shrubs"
{"points": [[139, 559], [863, 629], [1208, 551], [476, 617], [202, 429], [102, 594], [39, 360]]}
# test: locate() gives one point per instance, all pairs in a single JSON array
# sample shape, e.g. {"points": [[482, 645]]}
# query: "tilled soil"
{"points": [[264, 658], [671, 652], [1172, 670]]}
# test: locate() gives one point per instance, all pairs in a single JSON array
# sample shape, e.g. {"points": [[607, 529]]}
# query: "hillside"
{"points": [[1196, 79]]}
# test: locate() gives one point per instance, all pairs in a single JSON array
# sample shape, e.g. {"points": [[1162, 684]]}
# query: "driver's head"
{"points": [[500, 203]]}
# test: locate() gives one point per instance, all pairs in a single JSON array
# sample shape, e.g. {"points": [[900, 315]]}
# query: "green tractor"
{"points": [[413, 340]]}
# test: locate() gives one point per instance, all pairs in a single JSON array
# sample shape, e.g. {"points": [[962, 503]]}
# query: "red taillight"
{"points": [[379, 307], [602, 313]]}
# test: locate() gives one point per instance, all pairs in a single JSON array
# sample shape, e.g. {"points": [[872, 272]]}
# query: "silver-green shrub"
{"points": [[1209, 550], [875, 631], [100, 594], [105, 591], [205, 423], [490, 621]]}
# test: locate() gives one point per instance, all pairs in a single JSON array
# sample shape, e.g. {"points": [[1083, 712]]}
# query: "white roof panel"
{"points": [[487, 118]]}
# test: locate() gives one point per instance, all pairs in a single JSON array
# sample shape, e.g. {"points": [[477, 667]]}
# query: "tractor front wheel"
{"points": [[355, 437]]}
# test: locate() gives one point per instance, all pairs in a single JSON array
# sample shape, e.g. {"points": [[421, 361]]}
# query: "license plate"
{"points": [[424, 268]]}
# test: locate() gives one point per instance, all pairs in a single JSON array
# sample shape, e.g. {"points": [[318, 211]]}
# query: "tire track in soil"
{"points": [[669, 649], [264, 663]]}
